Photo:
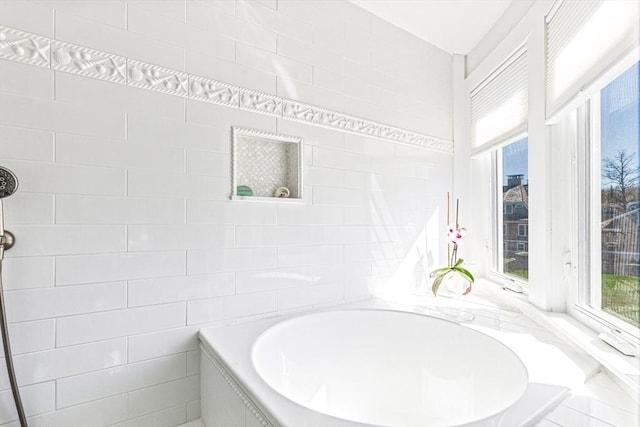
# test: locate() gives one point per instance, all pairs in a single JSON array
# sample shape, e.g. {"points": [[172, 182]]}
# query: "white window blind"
{"points": [[584, 38], [499, 104]]}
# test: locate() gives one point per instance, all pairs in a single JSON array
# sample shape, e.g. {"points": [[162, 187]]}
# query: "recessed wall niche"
{"points": [[265, 166]]}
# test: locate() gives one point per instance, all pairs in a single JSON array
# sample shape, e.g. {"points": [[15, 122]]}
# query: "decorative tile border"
{"points": [[24, 47], [165, 80], [19, 46], [307, 113], [260, 102], [88, 62], [408, 137], [209, 90]]}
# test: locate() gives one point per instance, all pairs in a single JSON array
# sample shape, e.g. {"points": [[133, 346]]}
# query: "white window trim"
{"points": [[585, 296], [497, 223], [495, 272]]}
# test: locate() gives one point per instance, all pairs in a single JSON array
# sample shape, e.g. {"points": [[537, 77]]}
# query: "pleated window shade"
{"points": [[499, 105], [584, 38]]}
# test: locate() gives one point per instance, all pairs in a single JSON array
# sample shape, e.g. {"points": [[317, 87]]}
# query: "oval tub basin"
{"points": [[388, 368]]}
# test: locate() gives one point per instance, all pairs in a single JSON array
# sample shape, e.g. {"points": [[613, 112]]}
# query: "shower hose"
{"points": [[7, 349]]}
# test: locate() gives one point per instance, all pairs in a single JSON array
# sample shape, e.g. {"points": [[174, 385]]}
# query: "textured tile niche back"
{"points": [[126, 241]]}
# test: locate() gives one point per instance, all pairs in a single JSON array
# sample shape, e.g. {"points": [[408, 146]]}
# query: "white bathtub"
{"points": [[359, 367]]}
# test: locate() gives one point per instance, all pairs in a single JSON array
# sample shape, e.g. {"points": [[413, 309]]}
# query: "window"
{"points": [[512, 198], [522, 230], [612, 212], [619, 221]]}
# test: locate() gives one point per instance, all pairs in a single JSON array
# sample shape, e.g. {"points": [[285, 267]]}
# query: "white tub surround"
{"points": [[623, 369], [398, 372]]}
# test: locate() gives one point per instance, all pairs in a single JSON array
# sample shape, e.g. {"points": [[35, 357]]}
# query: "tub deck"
{"points": [[554, 367]]}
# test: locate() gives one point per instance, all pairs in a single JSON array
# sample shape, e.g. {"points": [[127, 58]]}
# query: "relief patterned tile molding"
{"points": [[209, 90], [295, 110], [260, 102], [88, 62], [24, 47], [412, 138], [28, 48], [166, 80]]}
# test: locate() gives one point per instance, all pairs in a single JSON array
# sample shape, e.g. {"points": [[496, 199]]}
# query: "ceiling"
{"points": [[455, 26]]}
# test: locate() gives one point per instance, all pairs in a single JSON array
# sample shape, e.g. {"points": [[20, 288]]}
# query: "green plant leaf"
{"points": [[440, 271], [436, 284], [465, 273], [459, 262]]}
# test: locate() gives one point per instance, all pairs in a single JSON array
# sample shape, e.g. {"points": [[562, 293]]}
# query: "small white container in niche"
{"points": [[265, 166]]}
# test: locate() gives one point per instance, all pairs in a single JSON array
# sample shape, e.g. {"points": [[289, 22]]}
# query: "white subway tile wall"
{"points": [[127, 242]]}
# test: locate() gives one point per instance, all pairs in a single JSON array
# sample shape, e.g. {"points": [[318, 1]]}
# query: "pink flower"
{"points": [[455, 234]]}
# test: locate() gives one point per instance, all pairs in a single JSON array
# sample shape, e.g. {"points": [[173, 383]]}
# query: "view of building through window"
{"points": [[620, 208], [515, 209]]}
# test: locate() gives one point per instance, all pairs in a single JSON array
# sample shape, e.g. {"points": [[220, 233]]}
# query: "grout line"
{"points": [[54, 88], [126, 182], [54, 146], [235, 51], [126, 126], [184, 20], [53, 18], [185, 110]]}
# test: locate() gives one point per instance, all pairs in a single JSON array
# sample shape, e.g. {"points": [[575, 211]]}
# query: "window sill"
{"points": [[624, 370]]}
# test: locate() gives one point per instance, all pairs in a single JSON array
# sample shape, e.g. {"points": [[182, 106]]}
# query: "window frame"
{"points": [[586, 295], [496, 270]]}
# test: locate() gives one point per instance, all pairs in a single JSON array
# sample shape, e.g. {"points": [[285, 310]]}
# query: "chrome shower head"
{"points": [[8, 186], [8, 183]]}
